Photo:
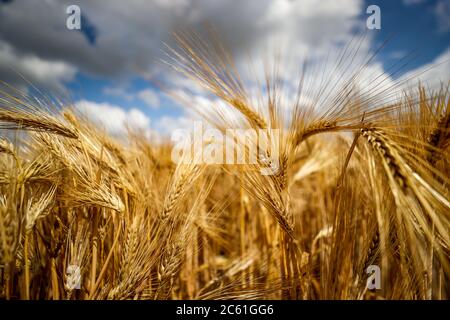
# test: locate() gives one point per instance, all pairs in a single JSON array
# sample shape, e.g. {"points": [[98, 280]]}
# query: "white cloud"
{"points": [[398, 54], [168, 124], [131, 35], [113, 118], [150, 97], [442, 11], [433, 73], [50, 73], [120, 92]]}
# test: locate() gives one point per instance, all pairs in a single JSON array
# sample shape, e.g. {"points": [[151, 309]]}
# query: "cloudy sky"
{"points": [[109, 68]]}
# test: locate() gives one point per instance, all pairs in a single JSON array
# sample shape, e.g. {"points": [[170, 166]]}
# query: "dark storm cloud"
{"points": [[117, 37], [123, 38], [88, 30]]}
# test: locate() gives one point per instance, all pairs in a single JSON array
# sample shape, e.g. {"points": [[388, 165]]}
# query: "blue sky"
{"points": [[96, 89], [415, 27], [113, 63]]}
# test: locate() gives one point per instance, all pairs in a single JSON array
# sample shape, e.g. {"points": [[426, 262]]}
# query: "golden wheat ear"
{"points": [[6, 146], [212, 67], [23, 111]]}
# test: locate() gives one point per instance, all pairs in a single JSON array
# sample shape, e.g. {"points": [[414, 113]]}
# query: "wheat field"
{"points": [[363, 180]]}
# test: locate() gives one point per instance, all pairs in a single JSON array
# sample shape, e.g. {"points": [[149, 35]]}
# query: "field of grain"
{"points": [[363, 181]]}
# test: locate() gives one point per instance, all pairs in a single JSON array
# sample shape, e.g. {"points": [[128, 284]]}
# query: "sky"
{"points": [[111, 68]]}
